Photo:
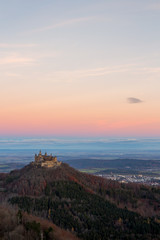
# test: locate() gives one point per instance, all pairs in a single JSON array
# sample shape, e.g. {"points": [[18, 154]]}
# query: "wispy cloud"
{"points": [[13, 75], [82, 73], [15, 60], [63, 24], [8, 45], [102, 71], [132, 100], [154, 6], [151, 69]]}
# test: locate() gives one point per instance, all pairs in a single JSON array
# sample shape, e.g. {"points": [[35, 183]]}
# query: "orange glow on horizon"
{"points": [[74, 125]]}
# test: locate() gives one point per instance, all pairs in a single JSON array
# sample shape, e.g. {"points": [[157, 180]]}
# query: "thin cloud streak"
{"points": [[100, 72], [13, 75], [77, 74], [7, 45], [63, 24], [15, 60], [151, 70], [132, 100], [154, 6]]}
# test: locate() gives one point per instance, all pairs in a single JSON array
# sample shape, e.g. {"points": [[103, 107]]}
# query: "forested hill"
{"points": [[89, 206]]}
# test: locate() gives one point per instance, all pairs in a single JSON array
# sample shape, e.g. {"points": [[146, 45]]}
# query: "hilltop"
{"points": [[90, 207]]}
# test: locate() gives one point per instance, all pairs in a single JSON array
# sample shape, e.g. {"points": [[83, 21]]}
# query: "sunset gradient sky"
{"points": [[80, 68]]}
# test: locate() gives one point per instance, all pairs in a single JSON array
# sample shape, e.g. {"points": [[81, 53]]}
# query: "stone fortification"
{"points": [[46, 160]]}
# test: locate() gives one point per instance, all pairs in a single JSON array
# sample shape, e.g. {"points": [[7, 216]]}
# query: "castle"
{"points": [[46, 160]]}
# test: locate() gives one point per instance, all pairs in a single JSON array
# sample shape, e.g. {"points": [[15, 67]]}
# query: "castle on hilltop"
{"points": [[46, 160]]}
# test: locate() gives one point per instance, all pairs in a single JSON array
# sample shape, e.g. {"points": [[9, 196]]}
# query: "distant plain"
{"points": [[123, 156]]}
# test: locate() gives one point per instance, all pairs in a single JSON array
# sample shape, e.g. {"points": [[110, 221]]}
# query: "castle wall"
{"points": [[46, 161], [50, 164]]}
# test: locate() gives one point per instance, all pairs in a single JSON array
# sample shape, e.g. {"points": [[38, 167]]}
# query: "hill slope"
{"points": [[25, 226], [78, 202]]}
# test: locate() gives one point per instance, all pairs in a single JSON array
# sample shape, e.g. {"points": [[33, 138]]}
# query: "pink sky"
{"points": [[78, 68], [80, 119]]}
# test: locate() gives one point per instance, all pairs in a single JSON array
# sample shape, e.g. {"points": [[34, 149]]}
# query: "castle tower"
{"points": [[35, 157], [40, 153], [46, 160]]}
